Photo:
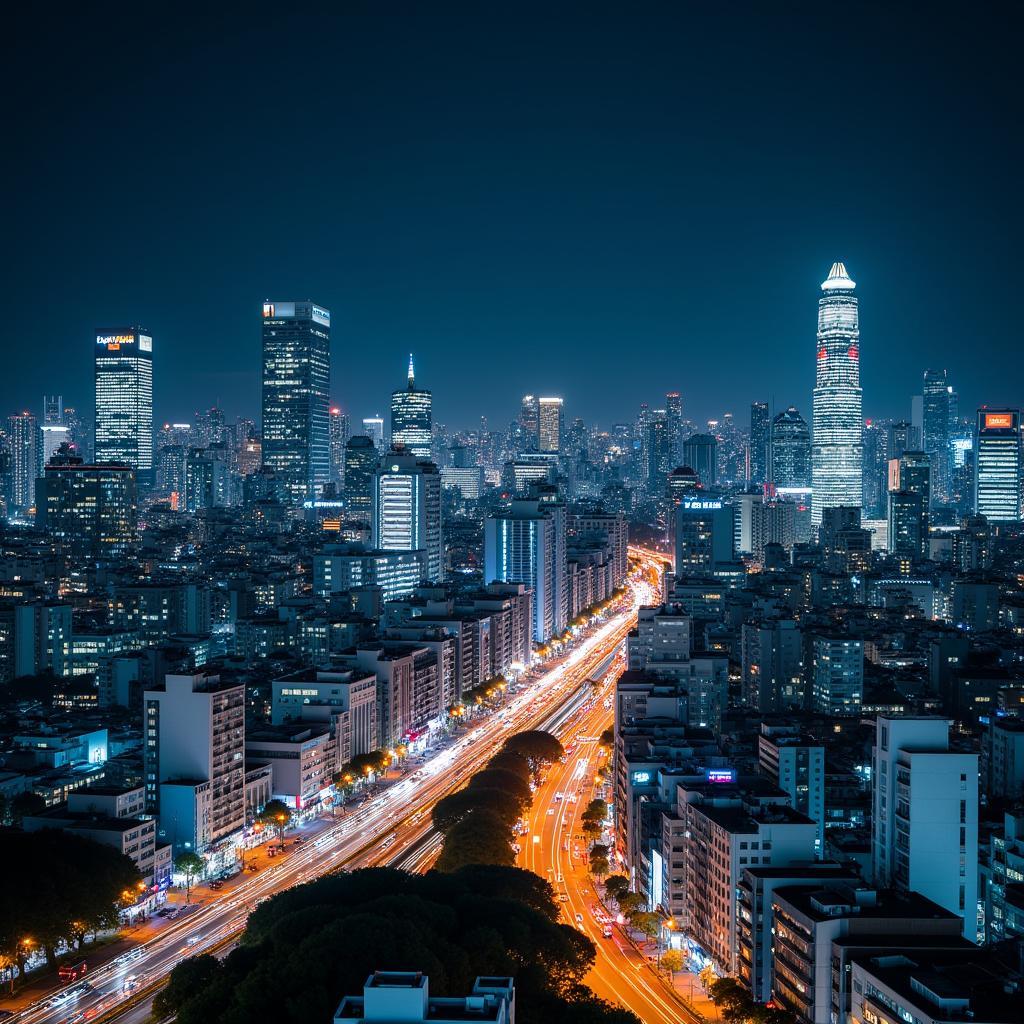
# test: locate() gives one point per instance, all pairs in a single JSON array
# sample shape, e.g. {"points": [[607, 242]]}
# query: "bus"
{"points": [[72, 973]]}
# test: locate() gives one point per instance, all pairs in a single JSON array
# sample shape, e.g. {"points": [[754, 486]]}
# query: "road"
{"points": [[556, 850], [392, 828]]}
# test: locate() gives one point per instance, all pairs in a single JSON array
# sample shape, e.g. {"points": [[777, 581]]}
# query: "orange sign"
{"points": [[998, 420]]}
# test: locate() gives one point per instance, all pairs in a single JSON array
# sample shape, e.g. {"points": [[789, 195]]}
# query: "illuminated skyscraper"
{"points": [[674, 419], [53, 429], [760, 423], [936, 420], [296, 380], [997, 466], [339, 436], [124, 399], [529, 422], [360, 465], [700, 452], [373, 428], [407, 510], [23, 441], [790, 450], [837, 444], [550, 425], [412, 416]]}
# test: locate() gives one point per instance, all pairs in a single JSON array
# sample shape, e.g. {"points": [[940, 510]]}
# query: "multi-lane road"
{"points": [[555, 849], [392, 828]]}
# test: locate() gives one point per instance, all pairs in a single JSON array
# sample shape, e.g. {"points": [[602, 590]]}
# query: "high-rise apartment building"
{"points": [[705, 533], [296, 382], [23, 443], [124, 398], [837, 445], [550, 425], [838, 675], [997, 465], [924, 819], [412, 417], [936, 421], [406, 512], [790, 450], [361, 461], [194, 758], [760, 431]]}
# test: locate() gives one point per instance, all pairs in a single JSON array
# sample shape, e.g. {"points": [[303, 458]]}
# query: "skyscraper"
{"points": [[997, 465], [124, 399], [790, 450], [837, 446], [909, 501], [700, 453], [550, 425], [529, 422], [760, 422], [936, 422], [23, 441], [296, 381], [360, 465], [659, 454], [339, 437], [53, 429], [411, 417], [373, 428], [674, 419], [407, 509]]}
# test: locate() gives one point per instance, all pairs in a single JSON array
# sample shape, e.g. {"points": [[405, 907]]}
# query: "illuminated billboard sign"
{"points": [[114, 342], [999, 421], [720, 775], [321, 316], [701, 504], [268, 309], [641, 778], [145, 343]]}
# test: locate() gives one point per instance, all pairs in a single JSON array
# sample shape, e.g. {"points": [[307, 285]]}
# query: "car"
{"points": [[607, 933], [563, 898], [559, 878], [192, 940], [216, 884], [579, 919], [551, 810]]}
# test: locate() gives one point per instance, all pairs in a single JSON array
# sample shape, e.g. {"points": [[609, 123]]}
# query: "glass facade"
{"points": [[296, 381], [997, 466], [412, 417], [790, 450], [124, 397], [837, 447], [550, 425]]}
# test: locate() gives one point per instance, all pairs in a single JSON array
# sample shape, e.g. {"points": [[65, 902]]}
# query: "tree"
{"points": [[373, 763], [190, 976], [510, 761], [25, 805], [673, 960], [591, 829], [734, 1001], [191, 865], [509, 782], [607, 739], [452, 809], [275, 814], [538, 747], [599, 866], [481, 837], [596, 810], [707, 977], [616, 886], [630, 903], [646, 922]]}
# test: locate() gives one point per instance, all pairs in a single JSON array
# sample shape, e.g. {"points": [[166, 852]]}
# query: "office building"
{"points": [[760, 431], [90, 511], [124, 398], [526, 544], [339, 568], [303, 759], [53, 430], [373, 428], [550, 425], [838, 675], [296, 382], [338, 434], [936, 421], [406, 513], [674, 420], [23, 444], [903, 437], [412, 418], [796, 764], [700, 453], [837, 446], [529, 422], [361, 460], [997, 465], [704, 533], [790, 451], [924, 818], [194, 758], [659, 454], [909, 502]]}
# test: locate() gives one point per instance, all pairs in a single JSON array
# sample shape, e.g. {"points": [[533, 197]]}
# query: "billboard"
{"points": [[999, 421], [115, 342]]}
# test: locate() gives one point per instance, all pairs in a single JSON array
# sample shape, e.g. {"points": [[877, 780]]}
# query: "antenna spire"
{"points": [[412, 375]]}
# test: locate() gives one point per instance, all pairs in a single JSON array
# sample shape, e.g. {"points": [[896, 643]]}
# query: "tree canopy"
{"points": [[481, 837], [538, 747], [510, 761], [453, 808], [506, 781], [325, 937], [62, 879]]}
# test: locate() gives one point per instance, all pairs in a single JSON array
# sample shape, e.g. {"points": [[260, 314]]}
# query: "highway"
{"points": [[556, 850], [392, 828]]}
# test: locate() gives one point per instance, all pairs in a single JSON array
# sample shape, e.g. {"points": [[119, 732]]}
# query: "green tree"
{"points": [[732, 999], [190, 976], [275, 814], [672, 960], [607, 739], [630, 903], [452, 809], [596, 810], [591, 829], [191, 865], [510, 761], [538, 747], [646, 922], [616, 886], [481, 837], [509, 782], [599, 866]]}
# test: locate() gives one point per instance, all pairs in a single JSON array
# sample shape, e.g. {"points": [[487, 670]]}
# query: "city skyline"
{"points": [[498, 230]]}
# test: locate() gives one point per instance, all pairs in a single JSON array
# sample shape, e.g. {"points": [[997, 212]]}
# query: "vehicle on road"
{"points": [[579, 919], [72, 972], [607, 933]]}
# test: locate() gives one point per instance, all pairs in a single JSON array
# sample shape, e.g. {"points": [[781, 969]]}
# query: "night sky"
{"points": [[604, 201]]}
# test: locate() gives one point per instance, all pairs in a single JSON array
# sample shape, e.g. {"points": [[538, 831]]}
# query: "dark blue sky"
{"points": [[601, 201]]}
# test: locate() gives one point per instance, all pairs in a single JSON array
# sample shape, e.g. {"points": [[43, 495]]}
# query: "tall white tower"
{"points": [[837, 448]]}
